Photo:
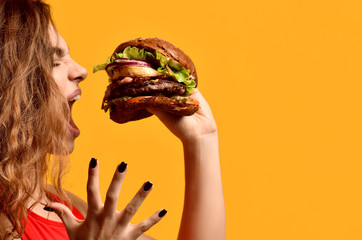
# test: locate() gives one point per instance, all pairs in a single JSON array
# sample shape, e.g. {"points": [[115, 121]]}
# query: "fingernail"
{"points": [[93, 163], [122, 167], [49, 209], [147, 186], [162, 213]]}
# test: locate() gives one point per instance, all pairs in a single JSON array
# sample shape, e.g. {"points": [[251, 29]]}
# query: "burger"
{"points": [[148, 73]]}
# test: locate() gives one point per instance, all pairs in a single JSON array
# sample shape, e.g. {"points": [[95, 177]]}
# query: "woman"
{"points": [[38, 83]]}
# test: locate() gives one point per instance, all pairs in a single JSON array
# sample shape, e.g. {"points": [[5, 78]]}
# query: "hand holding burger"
{"points": [[148, 73], [153, 75]]}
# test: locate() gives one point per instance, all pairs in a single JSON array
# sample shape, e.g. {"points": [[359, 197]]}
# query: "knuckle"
{"points": [[60, 213], [154, 219], [111, 196], [91, 188], [143, 227], [142, 194], [95, 212], [130, 210], [117, 177], [92, 176]]}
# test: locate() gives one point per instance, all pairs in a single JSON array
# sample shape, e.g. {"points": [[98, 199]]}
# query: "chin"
{"points": [[72, 134], [70, 147], [70, 142]]}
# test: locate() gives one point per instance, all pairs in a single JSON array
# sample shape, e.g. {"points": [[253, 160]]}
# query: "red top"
{"points": [[39, 228]]}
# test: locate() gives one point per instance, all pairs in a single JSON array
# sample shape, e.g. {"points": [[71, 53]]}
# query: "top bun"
{"points": [[165, 48]]}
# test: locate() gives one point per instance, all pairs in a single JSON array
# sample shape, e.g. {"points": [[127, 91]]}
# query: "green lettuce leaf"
{"points": [[99, 67], [175, 65], [163, 60], [118, 55], [134, 53], [181, 74]]}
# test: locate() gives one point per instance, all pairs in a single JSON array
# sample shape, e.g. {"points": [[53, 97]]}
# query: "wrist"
{"points": [[201, 141], [196, 138]]}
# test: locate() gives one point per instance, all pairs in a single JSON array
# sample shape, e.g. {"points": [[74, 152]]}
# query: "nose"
{"points": [[77, 72]]}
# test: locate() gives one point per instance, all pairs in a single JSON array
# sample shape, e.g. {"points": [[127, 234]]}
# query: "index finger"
{"points": [[93, 194], [133, 206], [110, 204]]}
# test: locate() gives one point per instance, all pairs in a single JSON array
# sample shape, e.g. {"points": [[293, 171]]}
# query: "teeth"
{"points": [[75, 98]]}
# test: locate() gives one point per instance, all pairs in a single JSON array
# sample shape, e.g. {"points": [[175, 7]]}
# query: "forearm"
{"points": [[204, 212]]}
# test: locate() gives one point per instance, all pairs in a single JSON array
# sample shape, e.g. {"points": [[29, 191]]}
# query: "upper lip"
{"points": [[74, 93]]}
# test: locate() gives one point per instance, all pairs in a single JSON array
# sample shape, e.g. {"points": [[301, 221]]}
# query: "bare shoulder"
{"points": [[76, 201], [79, 203]]}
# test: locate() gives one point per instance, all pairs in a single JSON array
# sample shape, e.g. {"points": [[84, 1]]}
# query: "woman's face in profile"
{"points": [[67, 74]]}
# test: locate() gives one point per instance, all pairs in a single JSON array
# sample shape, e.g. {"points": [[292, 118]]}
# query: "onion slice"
{"points": [[119, 62], [122, 71], [129, 61]]}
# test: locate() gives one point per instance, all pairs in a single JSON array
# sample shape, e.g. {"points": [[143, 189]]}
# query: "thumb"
{"points": [[64, 213]]}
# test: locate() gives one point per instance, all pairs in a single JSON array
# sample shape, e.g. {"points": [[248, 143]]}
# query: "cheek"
{"points": [[60, 78]]}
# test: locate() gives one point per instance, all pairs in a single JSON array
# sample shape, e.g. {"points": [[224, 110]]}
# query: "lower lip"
{"points": [[73, 130]]}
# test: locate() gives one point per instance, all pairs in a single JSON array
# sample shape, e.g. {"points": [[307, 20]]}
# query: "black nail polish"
{"points": [[147, 186], [122, 167], [93, 163], [49, 209], [162, 213]]}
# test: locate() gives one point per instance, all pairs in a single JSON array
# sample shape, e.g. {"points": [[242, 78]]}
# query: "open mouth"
{"points": [[72, 127]]}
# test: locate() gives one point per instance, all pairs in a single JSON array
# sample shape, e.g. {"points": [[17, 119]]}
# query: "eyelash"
{"points": [[56, 64]]}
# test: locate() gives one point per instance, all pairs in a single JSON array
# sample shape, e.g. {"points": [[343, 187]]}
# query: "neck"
{"points": [[37, 203]]}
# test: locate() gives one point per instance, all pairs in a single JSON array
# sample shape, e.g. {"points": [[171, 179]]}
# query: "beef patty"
{"points": [[148, 88]]}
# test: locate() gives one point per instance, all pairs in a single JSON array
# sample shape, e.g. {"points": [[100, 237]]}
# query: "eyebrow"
{"points": [[60, 52]]}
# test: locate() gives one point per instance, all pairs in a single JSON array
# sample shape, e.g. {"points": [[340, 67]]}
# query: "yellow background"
{"points": [[284, 80]]}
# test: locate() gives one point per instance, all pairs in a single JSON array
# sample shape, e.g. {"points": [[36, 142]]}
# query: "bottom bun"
{"points": [[136, 108]]}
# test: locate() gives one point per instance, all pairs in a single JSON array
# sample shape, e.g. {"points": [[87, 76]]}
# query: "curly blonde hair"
{"points": [[33, 112]]}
